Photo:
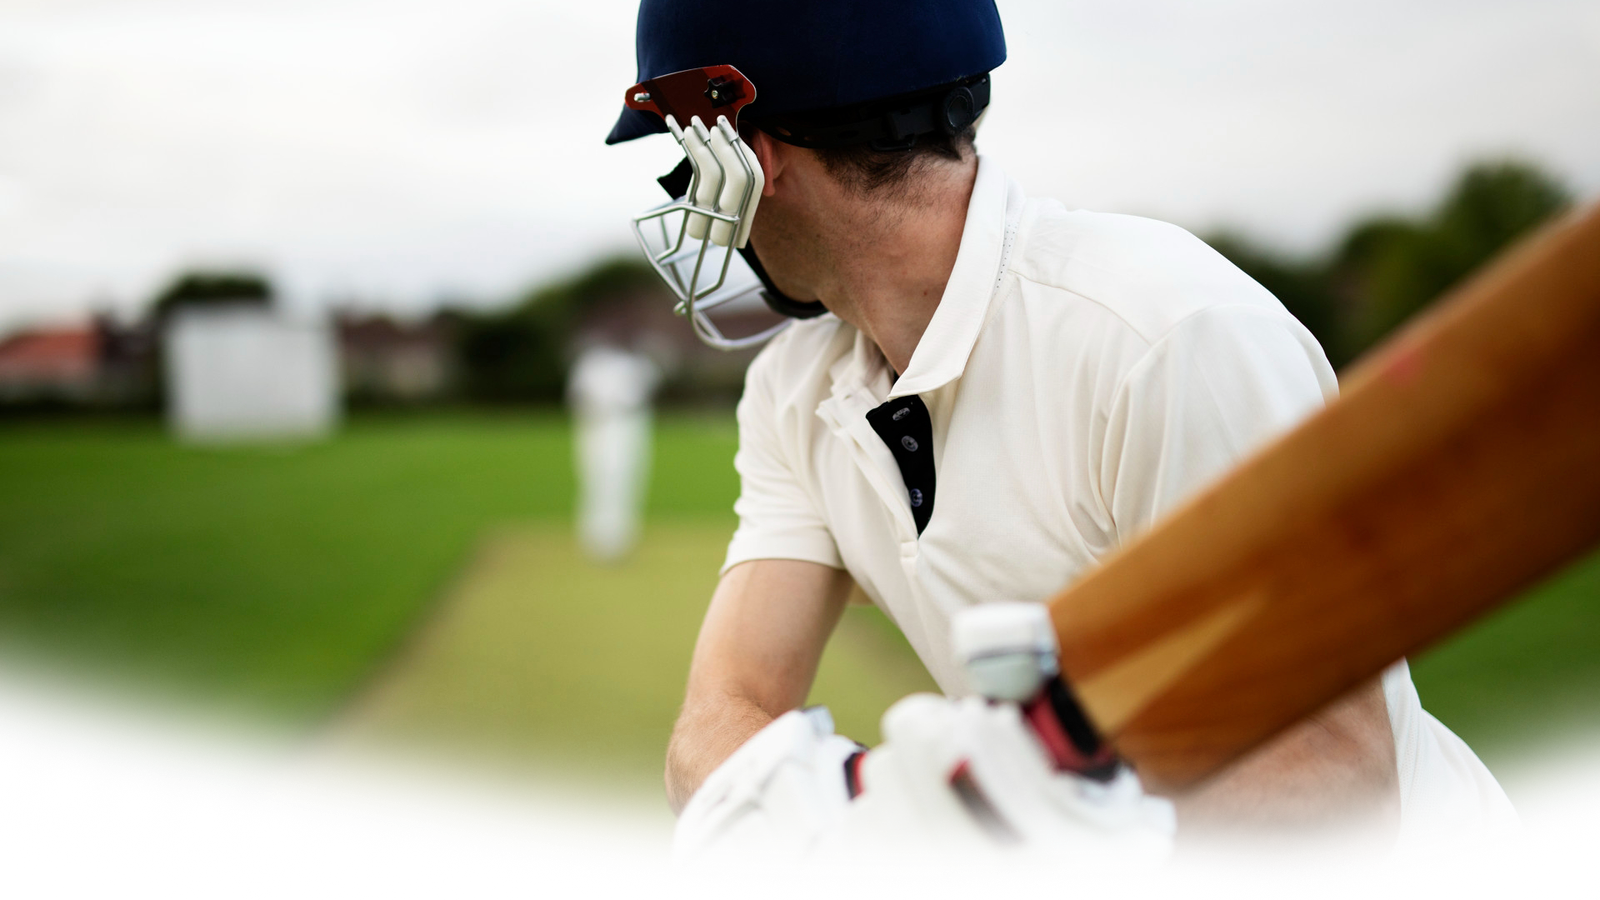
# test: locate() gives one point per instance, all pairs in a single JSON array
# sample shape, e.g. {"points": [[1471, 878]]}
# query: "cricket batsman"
{"points": [[977, 396]]}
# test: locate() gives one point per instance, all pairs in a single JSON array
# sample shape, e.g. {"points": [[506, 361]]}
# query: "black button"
{"points": [[906, 428]]}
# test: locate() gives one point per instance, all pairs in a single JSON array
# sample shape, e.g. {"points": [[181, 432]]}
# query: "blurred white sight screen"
{"points": [[249, 374]]}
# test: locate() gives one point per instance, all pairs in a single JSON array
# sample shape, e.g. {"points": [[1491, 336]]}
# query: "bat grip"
{"points": [[1068, 736], [1054, 716]]}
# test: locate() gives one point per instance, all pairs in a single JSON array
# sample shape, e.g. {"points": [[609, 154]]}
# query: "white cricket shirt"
{"points": [[1083, 374]]}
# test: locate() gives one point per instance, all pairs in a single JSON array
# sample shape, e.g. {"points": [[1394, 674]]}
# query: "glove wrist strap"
{"points": [[1067, 734], [852, 773]]}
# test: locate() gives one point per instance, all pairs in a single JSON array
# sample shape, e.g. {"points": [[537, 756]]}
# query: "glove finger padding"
{"points": [[773, 797], [906, 820], [968, 776], [1010, 770]]}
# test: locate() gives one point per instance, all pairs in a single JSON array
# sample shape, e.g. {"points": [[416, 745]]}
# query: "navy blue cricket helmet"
{"points": [[823, 69], [814, 73]]}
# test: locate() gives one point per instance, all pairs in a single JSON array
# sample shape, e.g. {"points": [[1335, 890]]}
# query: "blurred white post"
{"points": [[245, 373], [610, 390]]}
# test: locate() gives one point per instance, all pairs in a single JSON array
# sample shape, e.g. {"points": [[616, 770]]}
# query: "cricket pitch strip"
{"points": [[536, 657]]}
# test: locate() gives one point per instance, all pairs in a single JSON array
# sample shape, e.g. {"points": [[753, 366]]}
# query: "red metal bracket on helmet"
{"points": [[707, 93]]}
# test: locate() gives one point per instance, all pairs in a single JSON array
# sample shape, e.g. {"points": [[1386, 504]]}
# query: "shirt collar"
{"points": [[941, 354]]}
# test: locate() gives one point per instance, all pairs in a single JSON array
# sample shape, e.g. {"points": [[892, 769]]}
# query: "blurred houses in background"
{"points": [[60, 363], [518, 354], [385, 361], [1379, 272], [97, 365]]}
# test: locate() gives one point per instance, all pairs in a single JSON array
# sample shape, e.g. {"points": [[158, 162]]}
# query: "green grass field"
{"points": [[293, 582], [320, 584], [269, 577]]}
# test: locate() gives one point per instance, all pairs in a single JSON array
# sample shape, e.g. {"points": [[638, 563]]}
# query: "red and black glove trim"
{"points": [[1068, 735], [852, 773], [979, 806]]}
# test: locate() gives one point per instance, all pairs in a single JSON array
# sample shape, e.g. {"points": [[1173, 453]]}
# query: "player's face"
{"points": [[786, 253], [792, 231]]}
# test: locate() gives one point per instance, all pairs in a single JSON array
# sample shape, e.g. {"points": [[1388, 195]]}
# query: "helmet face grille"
{"points": [[692, 241], [710, 283]]}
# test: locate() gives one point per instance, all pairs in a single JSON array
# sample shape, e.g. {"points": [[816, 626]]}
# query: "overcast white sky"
{"points": [[404, 151]]}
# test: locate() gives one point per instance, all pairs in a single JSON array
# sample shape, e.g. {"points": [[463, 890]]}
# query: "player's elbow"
{"points": [[675, 778], [1359, 786], [1373, 812], [1360, 747], [1383, 812], [1347, 781]]}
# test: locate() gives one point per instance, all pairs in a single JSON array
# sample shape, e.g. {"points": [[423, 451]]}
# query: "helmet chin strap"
{"points": [[676, 183], [777, 300]]}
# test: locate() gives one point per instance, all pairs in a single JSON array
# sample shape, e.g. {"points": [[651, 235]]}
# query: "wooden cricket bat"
{"points": [[1460, 465]]}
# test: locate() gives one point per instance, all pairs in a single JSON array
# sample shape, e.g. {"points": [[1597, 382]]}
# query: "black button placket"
{"points": [[907, 430]]}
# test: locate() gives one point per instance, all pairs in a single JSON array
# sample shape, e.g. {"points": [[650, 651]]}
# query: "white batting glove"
{"points": [[774, 797], [969, 777]]}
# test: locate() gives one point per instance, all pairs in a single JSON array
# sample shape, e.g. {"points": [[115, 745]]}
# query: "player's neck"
{"points": [[891, 265]]}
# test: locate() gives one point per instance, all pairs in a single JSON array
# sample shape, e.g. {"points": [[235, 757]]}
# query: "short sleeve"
{"points": [[1215, 388], [777, 516]]}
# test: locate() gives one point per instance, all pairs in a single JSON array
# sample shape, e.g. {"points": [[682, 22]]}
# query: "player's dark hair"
{"points": [[873, 172], [882, 144]]}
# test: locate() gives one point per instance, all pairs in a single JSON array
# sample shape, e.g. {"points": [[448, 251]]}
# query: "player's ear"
{"points": [[771, 156]]}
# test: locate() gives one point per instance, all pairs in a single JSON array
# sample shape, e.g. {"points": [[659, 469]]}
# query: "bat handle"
{"points": [[1068, 737], [1063, 731], [1009, 653]]}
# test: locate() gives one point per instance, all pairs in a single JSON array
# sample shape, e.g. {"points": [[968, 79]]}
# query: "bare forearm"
{"points": [[706, 734], [755, 658], [1284, 830], [1334, 771]]}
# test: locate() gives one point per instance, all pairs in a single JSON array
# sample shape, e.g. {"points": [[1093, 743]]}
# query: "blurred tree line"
{"points": [[205, 288], [1388, 267], [1381, 271], [1384, 269], [521, 353]]}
